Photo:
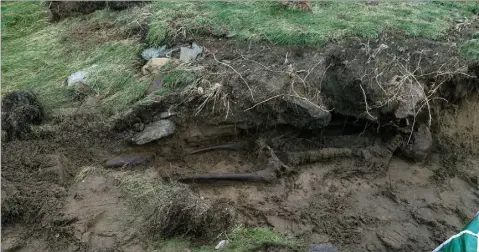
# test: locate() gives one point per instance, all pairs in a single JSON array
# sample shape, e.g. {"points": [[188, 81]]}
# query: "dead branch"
{"points": [[366, 103], [245, 82]]}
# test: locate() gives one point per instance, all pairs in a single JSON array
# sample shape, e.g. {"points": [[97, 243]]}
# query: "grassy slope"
{"points": [[327, 21], [39, 56]]}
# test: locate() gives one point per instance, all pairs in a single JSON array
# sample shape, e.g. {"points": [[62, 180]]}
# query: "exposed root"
{"points": [[265, 176], [245, 82]]}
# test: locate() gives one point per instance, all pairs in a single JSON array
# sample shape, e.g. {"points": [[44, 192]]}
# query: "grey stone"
{"points": [[76, 77], [157, 52], [189, 54], [153, 52], [323, 247], [421, 144], [164, 115], [80, 76], [307, 114], [155, 131]]}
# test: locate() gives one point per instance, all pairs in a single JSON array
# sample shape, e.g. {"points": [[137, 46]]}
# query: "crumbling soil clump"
{"points": [[63, 9], [183, 213], [171, 210], [60, 10], [20, 110]]}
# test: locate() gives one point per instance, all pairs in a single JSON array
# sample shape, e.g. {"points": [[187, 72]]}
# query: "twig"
{"points": [[311, 70], [366, 102], [259, 103], [282, 95], [249, 88]]}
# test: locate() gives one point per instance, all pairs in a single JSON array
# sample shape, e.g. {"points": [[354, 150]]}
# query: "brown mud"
{"points": [[319, 112]]}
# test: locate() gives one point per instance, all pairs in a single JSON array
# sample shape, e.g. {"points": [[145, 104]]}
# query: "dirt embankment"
{"points": [[337, 132]]}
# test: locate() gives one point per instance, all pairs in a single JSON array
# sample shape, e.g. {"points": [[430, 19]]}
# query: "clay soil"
{"points": [[49, 202]]}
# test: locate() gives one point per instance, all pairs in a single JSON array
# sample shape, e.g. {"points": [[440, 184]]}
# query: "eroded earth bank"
{"points": [[366, 145]]}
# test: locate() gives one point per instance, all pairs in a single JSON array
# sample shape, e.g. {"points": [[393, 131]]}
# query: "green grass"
{"points": [[39, 56], [255, 21], [470, 49], [241, 239], [179, 78], [19, 19]]}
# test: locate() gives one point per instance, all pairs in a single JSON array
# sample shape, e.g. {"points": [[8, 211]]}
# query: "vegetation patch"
{"points": [[470, 49], [39, 58], [240, 239], [171, 210], [270, 21]]}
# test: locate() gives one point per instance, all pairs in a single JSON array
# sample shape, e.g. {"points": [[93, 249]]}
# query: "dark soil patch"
{"points": [[94, 34], [60, 10], [121, 5], [20, 109]]}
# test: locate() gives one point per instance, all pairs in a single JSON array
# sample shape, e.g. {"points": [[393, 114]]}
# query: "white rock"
{"points": [[155, 131], [189, 54], [164, 115], [80, 76], [153, 52], [222, 244]]}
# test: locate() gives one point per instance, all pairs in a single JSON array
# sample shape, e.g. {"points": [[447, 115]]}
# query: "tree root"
{"points": [[264, 176]]}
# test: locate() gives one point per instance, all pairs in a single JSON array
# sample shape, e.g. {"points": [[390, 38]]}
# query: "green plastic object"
{"points": [[465, 241]]}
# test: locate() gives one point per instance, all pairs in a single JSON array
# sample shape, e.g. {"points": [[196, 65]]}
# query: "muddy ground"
{"points": [[356, 194]]}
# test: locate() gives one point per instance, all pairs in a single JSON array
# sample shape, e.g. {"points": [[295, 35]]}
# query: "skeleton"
{"points": [[376, 155]]}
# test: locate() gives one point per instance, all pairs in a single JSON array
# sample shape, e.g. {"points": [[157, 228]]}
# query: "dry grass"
{"points": [[171, 210]]}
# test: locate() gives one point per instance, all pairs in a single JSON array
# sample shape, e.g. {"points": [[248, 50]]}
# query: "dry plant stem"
{"points": [[282, 95], [366, 103], [245, 82]]}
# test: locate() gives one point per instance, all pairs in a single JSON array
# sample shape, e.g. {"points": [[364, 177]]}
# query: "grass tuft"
{"points": [[179, 78], [241, 239], [172, 210]]}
